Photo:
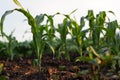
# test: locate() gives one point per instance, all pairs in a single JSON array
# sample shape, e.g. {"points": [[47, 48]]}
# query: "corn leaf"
{"points": [[18, 3], [82, 22], [39, 19], [82, 58], [3, 19], [73, 11], [90, 15], [111, 12], [94, 52], [51, 47], [101, 18], [50, 19]]}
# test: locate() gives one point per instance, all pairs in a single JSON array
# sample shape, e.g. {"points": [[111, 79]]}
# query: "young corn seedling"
{"points": [[36, 28], [96, 27], [113, 42], [63, 31], [12, 42], [78, 34], [111, 32], [50, 32]]}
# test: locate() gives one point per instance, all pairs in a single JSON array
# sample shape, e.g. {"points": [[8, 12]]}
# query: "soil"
{"points": [[52, 69]]}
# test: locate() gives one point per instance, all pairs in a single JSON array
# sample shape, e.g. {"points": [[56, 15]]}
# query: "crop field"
{"points": [[91, 52]]}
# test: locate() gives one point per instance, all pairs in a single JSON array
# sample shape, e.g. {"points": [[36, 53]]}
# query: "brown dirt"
{"points": [[52, 69]]}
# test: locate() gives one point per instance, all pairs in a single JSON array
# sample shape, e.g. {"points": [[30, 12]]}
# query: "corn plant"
{"points": [[50, 32], [95, 43], [96, 27], [113, 39], [12, 42], [36, 28], [111, 32], [63, 31], [78, 34]]}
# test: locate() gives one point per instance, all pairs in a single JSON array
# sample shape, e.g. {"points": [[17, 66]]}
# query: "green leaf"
{"points": [[50, 19], [111, 12], [51, 47], [82, 58], [73, 11], [3, 19], [18, 3], [90, 55], [90, 15], [30, 18], [39, 19], [82, 22], [3, 77], [101, 18]]}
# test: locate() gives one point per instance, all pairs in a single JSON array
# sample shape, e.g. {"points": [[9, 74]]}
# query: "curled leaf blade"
{"points": [[3, 19], [111, 12]]}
